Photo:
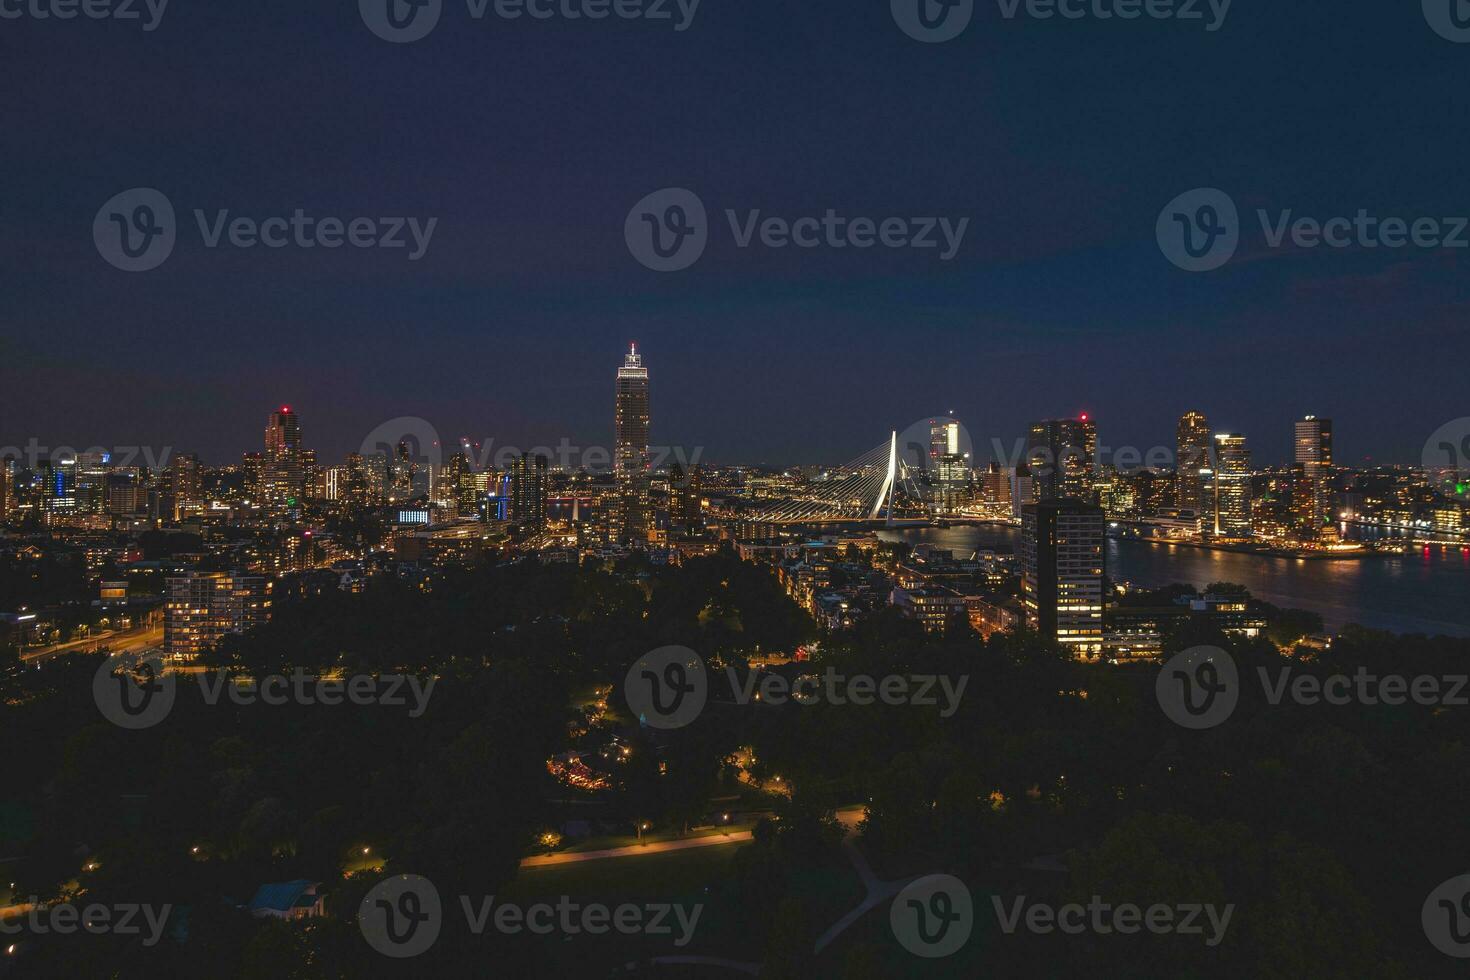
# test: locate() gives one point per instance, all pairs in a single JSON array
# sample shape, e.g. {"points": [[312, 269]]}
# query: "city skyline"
{"points": [[1282, 435], [691, 488]]}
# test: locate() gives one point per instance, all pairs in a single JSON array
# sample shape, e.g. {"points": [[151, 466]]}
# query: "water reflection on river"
{"points": [[1421, 592]]}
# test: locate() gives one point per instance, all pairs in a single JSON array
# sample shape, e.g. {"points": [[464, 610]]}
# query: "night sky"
{"points": [[1060, 141]]}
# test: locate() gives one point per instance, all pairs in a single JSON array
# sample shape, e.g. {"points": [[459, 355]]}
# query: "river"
{"points": [[1426, 591]]}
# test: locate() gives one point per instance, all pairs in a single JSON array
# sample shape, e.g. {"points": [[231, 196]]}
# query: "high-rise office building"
{"points": [[948, 466], [1062, 563], [283, 472], [60, 482], [1193, 458], [1061, 454], [630, 450], [1313, 446], [185, 486], [353, 485], [1023, 488], [92, 470], [202, 608], [6, 479], [125, 492], [1314, 442], [996, 488], [528, 491], [252, 466], [283, 433], [1230, 487]]}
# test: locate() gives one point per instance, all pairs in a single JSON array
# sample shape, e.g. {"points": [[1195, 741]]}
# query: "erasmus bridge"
{"points": [[867, 488]]}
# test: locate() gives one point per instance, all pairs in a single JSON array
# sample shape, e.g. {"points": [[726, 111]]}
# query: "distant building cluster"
{"points": [[212, 549]]}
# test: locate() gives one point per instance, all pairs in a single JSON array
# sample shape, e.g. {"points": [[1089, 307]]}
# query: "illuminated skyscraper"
{"points": [[630, 450], [1314, 455], [1060, 454], [283, 469], [948, 466], [1314, 442], [1062, 573], [6, 465], [1193, 457], [1231, 487], [528, 491], [184, 486]]}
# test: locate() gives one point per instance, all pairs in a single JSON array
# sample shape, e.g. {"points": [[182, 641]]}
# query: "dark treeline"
{"points": [[1326, 826]]}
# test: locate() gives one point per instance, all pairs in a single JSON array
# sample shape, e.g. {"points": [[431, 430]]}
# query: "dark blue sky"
{"points": [[1059, 141]]}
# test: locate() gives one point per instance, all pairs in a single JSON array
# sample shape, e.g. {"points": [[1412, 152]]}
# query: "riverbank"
{"points": [[1264, 551], [1421, 591]]}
